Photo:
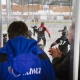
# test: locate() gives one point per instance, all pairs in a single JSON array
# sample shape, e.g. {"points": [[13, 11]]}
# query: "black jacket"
{"points": [[62, 67]]}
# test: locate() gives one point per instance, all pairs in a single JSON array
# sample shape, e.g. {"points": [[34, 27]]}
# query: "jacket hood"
{"points": [[21, 45], [21, 52]]}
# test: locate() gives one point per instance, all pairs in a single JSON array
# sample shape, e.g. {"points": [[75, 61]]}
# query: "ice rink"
{"points": [[53, 29]]}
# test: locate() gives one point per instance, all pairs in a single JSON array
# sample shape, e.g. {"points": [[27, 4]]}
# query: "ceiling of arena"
{"points": [[44, 2]]}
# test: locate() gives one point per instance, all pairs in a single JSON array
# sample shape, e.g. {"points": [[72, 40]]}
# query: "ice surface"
{"points": [[53, 29]]}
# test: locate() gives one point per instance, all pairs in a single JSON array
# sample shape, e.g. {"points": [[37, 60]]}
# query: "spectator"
{"points": [[62, 43], [41, 33], [19, 58], [61, 64]]}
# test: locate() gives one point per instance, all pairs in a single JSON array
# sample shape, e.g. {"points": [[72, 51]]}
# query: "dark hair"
{"points": [[17, 28], [42, 22]]}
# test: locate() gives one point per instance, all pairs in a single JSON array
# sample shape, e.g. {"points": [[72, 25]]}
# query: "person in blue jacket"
{"points": [[21, 58]]}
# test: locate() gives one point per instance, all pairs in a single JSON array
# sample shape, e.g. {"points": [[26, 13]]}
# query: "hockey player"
{"points": [[63, 43], [64, 30], [4, 39], [41, 33], [34, 30]]}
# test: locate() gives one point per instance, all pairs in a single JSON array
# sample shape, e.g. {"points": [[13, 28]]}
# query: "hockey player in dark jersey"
{"points": [[64, 30], [41, 33], [34, 30], [30, 33], [30, 37], [4, 39], [63, 43]]}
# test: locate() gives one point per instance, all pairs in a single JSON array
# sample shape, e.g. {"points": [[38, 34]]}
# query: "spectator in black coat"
{"points": [[61, 64]]}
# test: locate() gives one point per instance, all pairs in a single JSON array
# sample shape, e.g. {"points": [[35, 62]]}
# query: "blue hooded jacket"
{"points": [[23, 62]]}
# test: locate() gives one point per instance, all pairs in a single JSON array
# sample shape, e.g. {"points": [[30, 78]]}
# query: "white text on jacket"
{"points": [[30, 72]]}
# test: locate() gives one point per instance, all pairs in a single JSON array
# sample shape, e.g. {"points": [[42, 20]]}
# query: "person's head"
{"points": [[42, 23], [17, 28]]}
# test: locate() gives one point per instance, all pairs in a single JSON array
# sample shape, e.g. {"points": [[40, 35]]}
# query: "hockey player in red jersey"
{"points": [[41, 33]]}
